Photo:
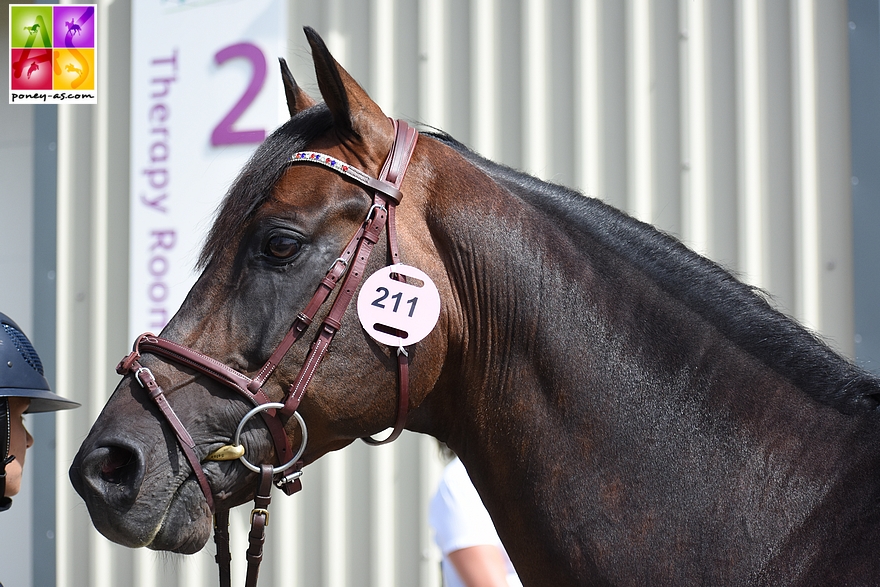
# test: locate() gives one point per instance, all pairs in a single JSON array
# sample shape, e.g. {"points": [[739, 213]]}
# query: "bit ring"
{"points": [[263, 408]]}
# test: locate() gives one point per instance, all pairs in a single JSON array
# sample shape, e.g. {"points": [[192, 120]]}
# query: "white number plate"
{"points": [[397, 313]]}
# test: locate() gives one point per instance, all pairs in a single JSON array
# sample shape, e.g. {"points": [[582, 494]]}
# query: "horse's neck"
{"points": [[597, 406]]}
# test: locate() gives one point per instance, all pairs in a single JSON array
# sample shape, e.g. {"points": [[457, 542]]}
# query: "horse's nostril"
{"points": [[119, 466], [111, 474]]}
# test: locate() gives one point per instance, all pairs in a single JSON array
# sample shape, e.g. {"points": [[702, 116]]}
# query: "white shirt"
{"points": [[460, 520]]}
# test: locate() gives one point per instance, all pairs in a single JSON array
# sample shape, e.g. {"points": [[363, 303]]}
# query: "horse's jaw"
{"points": [[170, 515], [137, 486], [184, 530]]}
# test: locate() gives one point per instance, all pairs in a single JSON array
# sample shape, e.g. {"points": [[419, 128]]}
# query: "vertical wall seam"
{"points": [[535, 86], [334, 520], [432, 28], [589, 137], [63, 367], [806, 164], [640, 114], [751, 147], [484, 73], [384, 519], [695, 135], [384, 53]]}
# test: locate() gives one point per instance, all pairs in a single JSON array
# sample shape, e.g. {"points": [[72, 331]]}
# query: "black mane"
{"points": [[260, 174], [739, 311]]}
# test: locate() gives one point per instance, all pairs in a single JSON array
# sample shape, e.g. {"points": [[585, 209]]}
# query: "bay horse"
{"points": [[630, 413]]}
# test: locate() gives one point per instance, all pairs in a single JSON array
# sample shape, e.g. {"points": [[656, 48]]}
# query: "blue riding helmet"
{"points": [[21, 375]]}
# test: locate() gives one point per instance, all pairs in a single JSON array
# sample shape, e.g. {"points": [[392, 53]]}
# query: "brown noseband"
{"points": [[350, 265]]}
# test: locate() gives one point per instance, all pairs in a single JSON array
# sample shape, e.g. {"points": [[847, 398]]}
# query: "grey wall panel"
{"points": [[725, 123]]}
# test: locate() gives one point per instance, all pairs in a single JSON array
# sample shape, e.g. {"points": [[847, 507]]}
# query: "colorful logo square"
{"points": [[73, 26], [31, 69], [30, 26], [52, 53], [74, 69]]}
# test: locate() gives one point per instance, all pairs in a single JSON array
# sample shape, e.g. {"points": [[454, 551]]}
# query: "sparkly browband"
{"points": [[347, 170]]}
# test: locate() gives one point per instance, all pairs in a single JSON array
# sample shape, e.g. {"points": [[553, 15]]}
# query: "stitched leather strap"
{"points": [[402, 401], [217, 371], [396, 169], [259, 521], [405, 139], [331, 324], [304, 319], [387, 195], [392, 171], [185, 441], [378, 185]]}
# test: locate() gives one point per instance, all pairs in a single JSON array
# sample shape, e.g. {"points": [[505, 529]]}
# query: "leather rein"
{"points": [[349, 268]]}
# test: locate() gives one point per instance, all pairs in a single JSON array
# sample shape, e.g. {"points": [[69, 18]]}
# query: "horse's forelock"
{"points": [[254, 184]]}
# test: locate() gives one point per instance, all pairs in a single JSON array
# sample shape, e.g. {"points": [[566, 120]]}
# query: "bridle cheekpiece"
{"points": [[348, 268]]}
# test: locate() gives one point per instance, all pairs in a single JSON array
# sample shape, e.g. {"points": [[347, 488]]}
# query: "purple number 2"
{"points": [[223, 133]]}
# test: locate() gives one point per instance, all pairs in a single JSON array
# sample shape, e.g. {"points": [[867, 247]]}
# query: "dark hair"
{"points": [[260, 174], [740, 312]]}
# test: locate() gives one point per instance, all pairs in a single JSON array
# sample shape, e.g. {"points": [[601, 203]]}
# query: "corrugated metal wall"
{"points": [[723, 122]]}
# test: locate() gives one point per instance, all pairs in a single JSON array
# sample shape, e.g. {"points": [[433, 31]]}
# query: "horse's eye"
{"points": [[281, 247]]}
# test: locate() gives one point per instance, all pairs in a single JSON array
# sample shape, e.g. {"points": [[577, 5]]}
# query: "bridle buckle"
{"points": [[137, 376], [260, 512]]}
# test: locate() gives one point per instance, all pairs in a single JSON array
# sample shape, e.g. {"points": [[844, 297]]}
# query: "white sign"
{"points": [[205, 91], [398, 313]]}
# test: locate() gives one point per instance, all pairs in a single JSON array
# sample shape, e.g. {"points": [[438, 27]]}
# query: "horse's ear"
{"points": [[354, 112], [297, 99]]}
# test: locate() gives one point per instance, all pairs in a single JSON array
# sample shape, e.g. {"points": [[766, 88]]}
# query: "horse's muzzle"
{"points": [[110, 474]]}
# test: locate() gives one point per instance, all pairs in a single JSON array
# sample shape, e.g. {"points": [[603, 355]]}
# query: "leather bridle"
{"points": [[349, 268]]}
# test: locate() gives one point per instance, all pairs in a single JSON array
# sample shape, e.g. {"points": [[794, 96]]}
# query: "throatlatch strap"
{"points": [[395, 170]]}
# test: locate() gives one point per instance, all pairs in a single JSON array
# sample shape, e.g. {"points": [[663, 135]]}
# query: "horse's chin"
{"points": [[187, 524], [184, 527], [182, 539]]}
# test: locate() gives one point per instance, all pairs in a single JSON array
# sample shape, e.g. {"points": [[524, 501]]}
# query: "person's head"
{"points": [[23, 388]]}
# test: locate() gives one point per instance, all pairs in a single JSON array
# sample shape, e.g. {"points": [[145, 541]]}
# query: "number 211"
{"points": [[397, 298]]}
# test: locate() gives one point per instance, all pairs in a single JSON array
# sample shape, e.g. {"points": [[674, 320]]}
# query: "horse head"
{"points": [[617, 399], [281, 226]]}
